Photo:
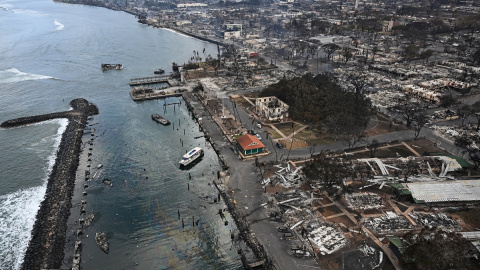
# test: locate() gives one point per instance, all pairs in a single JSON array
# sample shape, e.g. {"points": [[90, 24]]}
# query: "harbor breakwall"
{"points": [[46, 247]]}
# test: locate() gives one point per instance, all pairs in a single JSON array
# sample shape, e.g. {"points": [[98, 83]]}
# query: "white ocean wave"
{"points": [[26, 11], [176, 32], [17, 216], [18, 211], [13, 75], [59, 25]]}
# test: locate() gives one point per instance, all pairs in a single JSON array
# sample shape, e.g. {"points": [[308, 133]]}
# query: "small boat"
{"points": [[159, 71], [191, 156], [111, 66], [160, 119]]}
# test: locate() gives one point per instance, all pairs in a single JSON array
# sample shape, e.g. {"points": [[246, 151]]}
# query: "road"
{"points": [[280, 154], [244, 180], [243, 184]]}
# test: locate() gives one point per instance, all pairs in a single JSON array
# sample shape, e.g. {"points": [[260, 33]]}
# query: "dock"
{"points": [[156, 93], [150, 80]]}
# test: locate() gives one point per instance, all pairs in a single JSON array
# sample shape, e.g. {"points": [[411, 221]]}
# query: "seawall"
{"points": [[46, 247]]}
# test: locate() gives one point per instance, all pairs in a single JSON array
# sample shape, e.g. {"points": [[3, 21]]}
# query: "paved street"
{"points": [[243, 180], [249, 195]]}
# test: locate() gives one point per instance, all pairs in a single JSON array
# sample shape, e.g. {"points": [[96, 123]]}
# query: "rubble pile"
{"points": [[285, 176], [293, 199], [326, 237], [363, 257], [364, 201], [444, 115], [435, 220], [384, 99], [450, 132], [371, 256], [388, 223]]}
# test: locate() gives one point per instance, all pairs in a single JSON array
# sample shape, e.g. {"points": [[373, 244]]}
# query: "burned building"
{"points": [[271, 108]]}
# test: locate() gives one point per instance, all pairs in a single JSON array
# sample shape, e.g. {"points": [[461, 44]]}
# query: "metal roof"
{"points": [[249, 142], [445, 191]]}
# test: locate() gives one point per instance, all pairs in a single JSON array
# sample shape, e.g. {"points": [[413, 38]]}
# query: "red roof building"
{"points": [[249, 144]]}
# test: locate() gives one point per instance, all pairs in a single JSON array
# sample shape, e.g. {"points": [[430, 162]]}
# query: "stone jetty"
{"points": [[46, 247]]}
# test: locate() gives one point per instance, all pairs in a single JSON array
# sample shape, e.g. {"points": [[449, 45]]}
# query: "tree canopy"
{"points": [[437, 249], [315, 99]]}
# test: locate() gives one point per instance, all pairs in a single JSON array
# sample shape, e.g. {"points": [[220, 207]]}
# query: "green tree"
{"points": [[437, 249]]}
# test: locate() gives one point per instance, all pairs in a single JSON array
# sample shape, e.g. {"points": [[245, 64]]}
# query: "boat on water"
{"points": [[159, 71], [111, 66], [160, 119], [191, 156]]}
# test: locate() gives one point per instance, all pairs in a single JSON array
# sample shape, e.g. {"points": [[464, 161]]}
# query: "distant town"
{"points": [[359, 118]]}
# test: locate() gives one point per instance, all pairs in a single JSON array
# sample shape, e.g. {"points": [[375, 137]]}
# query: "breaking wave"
{"points": [[178, 33], [13, 75], [18, 211], [59, 25]]}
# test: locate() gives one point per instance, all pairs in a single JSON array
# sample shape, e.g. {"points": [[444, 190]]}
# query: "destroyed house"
{"points": [[249, 144], [271, 108]]}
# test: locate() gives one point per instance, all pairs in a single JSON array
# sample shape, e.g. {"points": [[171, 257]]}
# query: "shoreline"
{"points": [[261, 257], [46, 246], [155, 25]]}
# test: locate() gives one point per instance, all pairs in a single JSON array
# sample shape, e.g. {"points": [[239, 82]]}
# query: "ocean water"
{"points": [[50, 53]]}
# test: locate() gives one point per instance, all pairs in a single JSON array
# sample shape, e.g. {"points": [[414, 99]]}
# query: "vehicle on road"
{"points": [[259, 137], [259, 125], [279, 145]]}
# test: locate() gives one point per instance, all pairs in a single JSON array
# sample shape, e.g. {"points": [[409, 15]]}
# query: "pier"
{"points": [[150, 80], [140, 95]]}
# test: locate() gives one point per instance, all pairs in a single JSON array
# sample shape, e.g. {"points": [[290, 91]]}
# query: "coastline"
{"points": [[213, 134], [46, 246], [103, 5]]}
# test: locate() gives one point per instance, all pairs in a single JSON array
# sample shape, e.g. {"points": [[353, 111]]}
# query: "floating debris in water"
{"points": [[107, 182], [102, 242]]}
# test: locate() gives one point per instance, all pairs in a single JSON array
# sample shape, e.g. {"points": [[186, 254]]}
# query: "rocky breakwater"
{"points": [[46, 247]]}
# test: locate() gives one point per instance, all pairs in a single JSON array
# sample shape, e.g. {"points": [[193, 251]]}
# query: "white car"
{"points": [[259, 137], [259, 125]]}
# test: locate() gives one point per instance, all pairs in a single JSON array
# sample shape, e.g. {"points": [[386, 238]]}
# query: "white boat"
{"points": [[191, 156]]}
